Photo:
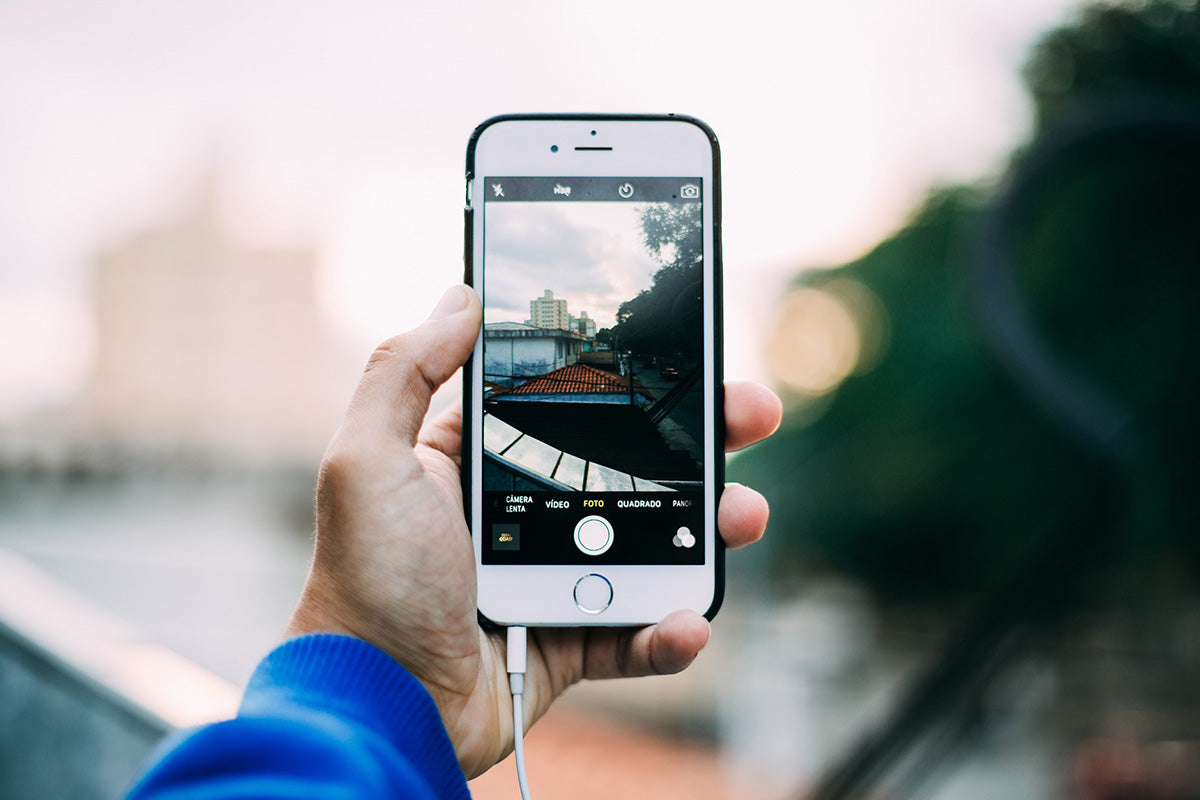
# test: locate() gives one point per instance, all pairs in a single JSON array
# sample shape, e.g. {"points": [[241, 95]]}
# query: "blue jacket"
{"points": [[324, 716]]}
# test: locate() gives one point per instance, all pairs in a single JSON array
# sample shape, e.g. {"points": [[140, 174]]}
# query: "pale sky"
{"points": [[589, 254], [345, 123]]}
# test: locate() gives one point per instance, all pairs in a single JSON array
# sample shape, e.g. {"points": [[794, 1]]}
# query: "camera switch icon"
{"points": [[689, 191], [684, 538]]}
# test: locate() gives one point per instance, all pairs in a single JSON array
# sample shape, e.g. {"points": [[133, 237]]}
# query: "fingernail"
{"points": [[453, 301]]}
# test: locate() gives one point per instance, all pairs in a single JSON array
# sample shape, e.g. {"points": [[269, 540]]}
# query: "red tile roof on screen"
{"points": [[579, 379]]}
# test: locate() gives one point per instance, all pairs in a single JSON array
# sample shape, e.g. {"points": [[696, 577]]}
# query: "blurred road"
{"points": [[208, 566]]}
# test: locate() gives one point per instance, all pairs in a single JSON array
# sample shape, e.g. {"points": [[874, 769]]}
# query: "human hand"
{"points": [[394, 563]]}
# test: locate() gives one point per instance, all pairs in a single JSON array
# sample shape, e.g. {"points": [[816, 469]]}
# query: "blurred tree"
{"points": [[1111, 50], [931, 471]]}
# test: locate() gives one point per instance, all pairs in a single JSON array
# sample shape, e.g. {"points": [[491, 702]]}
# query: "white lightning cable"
{"points": [[516, 682]]}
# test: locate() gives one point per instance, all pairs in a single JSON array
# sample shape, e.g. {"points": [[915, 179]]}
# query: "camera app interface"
{"points": [[593, 376]]}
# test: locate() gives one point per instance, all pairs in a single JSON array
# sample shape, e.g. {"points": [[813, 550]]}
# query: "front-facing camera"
{"points": [[553, 148]]}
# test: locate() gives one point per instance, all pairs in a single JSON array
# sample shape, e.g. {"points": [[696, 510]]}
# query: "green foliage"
{"points": [[665, 319], [673, 234], [917, 476], [933, 472], [1116, 50]]}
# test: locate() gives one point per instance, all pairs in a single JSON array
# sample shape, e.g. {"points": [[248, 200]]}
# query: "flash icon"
{"points": [[498, 189]]}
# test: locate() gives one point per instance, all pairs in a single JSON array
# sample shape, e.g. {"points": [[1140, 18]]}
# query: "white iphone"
{"points": [[593, 419]]}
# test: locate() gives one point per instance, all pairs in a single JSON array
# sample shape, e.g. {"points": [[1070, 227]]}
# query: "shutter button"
{"points": [[594, 535]]}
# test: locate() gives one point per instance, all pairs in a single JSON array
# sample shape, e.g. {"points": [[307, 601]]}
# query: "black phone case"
{"points": [[718, 291]]}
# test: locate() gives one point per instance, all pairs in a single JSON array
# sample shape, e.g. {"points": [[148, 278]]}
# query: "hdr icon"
{"points": [[506, 537]]}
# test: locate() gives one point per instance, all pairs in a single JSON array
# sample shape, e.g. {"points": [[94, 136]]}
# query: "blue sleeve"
{"points": [[324, 716]]}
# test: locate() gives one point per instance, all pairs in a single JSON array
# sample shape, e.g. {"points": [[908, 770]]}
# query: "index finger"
{"points": [[444, 432], [752, 413]]}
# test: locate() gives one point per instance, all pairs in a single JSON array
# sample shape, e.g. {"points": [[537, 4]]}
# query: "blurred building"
{"points": [[583, 324], [209, 349]]}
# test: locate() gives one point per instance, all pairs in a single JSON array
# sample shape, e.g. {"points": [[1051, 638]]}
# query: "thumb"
{"points": [[402, 374]]}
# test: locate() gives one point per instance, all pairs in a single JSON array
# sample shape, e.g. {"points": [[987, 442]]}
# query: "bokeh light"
{"points": [[816, 342]]}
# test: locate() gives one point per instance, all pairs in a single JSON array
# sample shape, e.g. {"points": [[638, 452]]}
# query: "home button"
{"points": [[593, 593]]}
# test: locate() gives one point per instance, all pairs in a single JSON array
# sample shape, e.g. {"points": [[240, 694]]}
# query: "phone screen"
{"points": [[593, 370]]}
